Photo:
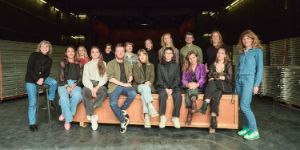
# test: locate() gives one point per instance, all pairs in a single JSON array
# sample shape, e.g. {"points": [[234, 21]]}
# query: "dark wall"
{"points": [[33, 21], [270, 19]]}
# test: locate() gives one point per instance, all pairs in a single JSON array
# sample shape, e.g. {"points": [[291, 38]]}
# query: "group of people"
{"points": [[167, 72]]}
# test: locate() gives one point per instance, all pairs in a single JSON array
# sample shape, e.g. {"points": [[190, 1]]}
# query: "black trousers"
{"points": [[177, 100], [88, 102], [213, 93]]}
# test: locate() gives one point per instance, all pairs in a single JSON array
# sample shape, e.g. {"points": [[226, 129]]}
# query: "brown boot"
{"points": [[189, 117], [194, 104]]}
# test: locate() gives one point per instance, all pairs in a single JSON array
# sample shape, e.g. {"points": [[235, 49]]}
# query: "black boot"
{"points": [[194, 104], [213, 122], [189, 117], [203, 107]]}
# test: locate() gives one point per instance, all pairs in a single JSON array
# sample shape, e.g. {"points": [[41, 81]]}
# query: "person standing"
{"points": [[248, 79]]}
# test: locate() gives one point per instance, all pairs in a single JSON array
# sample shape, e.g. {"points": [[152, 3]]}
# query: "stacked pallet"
{"points": [[14, 57], [282, 78]]}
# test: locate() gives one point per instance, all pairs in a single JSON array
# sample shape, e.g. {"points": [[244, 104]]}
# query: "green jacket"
{"points": [[184, 50], [138, 75], [113, 71]]}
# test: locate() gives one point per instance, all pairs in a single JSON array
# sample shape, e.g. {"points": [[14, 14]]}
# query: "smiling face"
{"points": [[44, 48], [81, 51], [70, 53], [120, 52], [95, 53], [148, 44], [168, 54], [247, 42], [189, 39], [193, 59], [167, 39], [215, 37], [221, 54]]}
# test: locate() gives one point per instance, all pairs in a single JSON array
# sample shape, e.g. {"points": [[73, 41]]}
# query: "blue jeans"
{"points": [[114, 99], [31, 89], [146, 95], [68, 102], [244, 88]]}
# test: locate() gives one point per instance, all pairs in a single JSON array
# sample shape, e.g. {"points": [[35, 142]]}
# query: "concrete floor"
{"points": [[279, 128]]}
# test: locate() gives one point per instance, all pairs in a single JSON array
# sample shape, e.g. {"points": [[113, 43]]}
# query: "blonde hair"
{"points": [[255, 44], [163, 44], [86, 56], [38, 49], [220, 43], [142, 51]]}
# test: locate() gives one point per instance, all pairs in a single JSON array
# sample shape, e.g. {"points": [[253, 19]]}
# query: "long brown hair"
{"points": [[220, 37], [142, 51], [226, 59], [187, 65], [66, 60], [253, 36], [101, 65]]}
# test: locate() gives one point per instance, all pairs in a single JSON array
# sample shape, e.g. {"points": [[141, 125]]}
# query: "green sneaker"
{"points": [[252, 135], [243, 132]]}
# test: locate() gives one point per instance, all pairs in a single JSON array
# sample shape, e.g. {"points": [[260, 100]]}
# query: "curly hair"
{"points": [[255, 44]]}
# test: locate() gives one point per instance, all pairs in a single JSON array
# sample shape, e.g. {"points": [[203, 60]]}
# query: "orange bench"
{"points": [[228, 113]]}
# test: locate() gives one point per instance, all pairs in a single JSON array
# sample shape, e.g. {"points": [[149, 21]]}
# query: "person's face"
{"points": [[215, 37], [120, 52], [143, 58], [167, 39], [247, 41], [148, 44], [44, 48], [168, 55], [107, 49], [129, 48], [81, 51], [193, 59], [95, 53], [70, 53], [189, 39], [221, 54]]}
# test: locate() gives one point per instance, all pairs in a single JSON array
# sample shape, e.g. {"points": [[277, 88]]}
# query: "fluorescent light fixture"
{"points": [[78, 37], [206, 34], [211, 13], [205, 12], [72, 14], [82, 16], [234, 4], [56, 9], [144, 24], [43, 1]]}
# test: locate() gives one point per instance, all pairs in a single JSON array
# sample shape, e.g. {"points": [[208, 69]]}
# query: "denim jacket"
{"points": [[251, 64]]}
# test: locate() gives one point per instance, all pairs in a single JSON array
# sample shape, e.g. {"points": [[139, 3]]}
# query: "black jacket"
{"points": [[38, 66], [70, 71], [224, 85], [168, 75]]}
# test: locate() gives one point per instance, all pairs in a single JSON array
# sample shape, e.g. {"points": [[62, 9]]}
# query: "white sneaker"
{"points": [[176, 122], [163, 121], [94, 121], [147, 122], [152, 111], [89, 117]]}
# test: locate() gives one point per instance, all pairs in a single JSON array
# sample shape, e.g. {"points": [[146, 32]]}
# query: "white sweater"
{"points": [[91, 72]]}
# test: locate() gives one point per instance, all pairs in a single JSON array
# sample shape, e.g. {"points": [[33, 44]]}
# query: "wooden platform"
{"points": [[228, 117]]}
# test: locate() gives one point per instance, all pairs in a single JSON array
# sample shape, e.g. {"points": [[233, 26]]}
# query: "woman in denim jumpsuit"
{"points": [[248, 79]]}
